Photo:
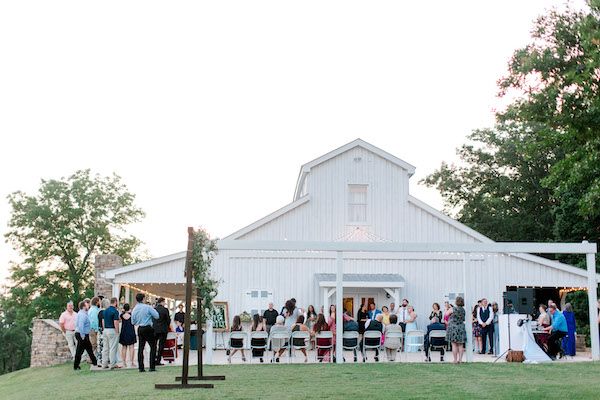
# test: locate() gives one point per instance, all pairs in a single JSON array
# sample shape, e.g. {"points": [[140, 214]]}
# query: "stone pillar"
{"points": [[103, 263], [48, 344]]}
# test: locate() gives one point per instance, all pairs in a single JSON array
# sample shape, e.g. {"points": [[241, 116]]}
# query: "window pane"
{"points": [[264, 294], [254, 293]]}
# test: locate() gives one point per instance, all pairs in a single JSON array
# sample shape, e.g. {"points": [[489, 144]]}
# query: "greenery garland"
{"points": [[203, 253]]}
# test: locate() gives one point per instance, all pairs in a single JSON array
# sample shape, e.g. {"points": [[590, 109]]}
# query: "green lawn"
{"points": [[362, 381]]}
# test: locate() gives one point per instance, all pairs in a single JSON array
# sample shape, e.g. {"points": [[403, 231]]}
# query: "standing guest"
{"points": [[393, 309], [180, 315], [568, 342], [279, 344], [456, 333], [373, 311], [311, 317], [142, 316], [403, 314], [435, 325], [161, 328], [447, 312], [372, 325], [485, 318], [258, 325], [496, 329], [363, 315], [111, 320], [436, 312], [411, 325], [386, 315], [300, 327], [127, 337], [557, 330], [104, 304], [291, 313], [236, 344], [476, 328], [392, 344], [321, 326], [67, 322], [94, 322], [83, 336], [270, 316], [551, 302]]}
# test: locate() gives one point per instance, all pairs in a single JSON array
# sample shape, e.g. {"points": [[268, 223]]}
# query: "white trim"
{"points": [[283, 210], [363, 284], [266, 254], [111, 273], [305, 169]]}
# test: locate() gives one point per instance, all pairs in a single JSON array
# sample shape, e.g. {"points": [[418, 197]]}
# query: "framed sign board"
{"points": [[220, 316]]}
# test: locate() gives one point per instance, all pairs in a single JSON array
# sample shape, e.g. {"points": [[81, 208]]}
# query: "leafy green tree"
{"points": [[535, 176], [59, 230]]}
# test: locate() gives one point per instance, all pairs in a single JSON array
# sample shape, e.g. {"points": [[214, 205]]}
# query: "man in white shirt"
{"points": [[403, 314], [485, 317]]}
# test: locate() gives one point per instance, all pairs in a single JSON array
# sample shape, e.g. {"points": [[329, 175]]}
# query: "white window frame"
{"points": [[366, 204]]}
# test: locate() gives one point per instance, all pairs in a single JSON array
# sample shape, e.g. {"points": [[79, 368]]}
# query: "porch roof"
{"points": [[363, 280]]}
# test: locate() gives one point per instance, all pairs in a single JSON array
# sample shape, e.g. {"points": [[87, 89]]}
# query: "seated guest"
{"points": [[279, 344], [236, 344], [311, 316], [374, 325], [557, 330], [258, 325], [440, 343], [386, 315], [180, 315], [543, 321], [373, 311], [300, 327], [321, 326], [270, 316], [392, 344], [350, 325]]}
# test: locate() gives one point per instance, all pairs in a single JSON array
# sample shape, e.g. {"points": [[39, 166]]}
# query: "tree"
{"points": [[535, 176], [59, 230]]}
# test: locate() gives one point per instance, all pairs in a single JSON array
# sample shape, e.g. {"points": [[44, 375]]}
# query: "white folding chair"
{"points": [[413, 339], [324, 335], [171, 337], [258, 335], [393, 335], [351, 336], [236, 336], [280, 340], [300, 337], [375, 344], [436, 334]]}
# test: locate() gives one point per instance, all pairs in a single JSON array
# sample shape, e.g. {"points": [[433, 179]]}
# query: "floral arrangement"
{"points": [[203, 253], [245, 317]]}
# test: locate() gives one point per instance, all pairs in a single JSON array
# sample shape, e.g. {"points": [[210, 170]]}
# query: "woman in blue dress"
{"points": [[411, 325], [568, 343]]}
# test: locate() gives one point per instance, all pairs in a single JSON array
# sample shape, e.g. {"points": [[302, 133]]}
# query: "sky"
{"points": [[207, 110]]}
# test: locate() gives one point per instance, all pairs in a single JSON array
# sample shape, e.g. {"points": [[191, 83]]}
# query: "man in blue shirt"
{"points": [[143, 316], [557, 330], [110, 335], [94, 328], [83, 335]]}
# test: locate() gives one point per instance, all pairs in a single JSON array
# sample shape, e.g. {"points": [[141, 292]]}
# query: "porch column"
{"points": [[127, 295], [468, 326], [339, 309], [325, 302], [593, 304], [209, 336], [116, 290]]}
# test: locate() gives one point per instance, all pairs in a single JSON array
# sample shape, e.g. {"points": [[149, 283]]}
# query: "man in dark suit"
{"points": [[373, 325], [440, 343], [161, 327]]}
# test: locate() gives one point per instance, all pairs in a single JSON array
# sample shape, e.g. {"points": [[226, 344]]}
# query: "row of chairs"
{"points": [[301, 340]]}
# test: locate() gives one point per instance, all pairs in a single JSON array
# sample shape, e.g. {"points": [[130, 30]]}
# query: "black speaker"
{"points": [[525, 301], [510, 298]]}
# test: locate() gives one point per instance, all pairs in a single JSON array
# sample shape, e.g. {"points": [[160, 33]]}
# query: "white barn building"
{"points": [[356, 193]]}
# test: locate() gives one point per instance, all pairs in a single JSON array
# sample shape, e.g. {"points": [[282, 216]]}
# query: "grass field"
{"points": [[350, 381]]}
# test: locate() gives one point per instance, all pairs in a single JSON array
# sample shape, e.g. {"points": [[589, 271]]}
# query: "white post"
{"points": [[116, 290], [468, 325], [127, 295], [209, 338], [339, 311], [593, 305], [326, 302]]}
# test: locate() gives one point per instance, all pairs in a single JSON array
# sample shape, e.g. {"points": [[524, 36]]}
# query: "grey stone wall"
{"points": [[48, 344], [103, 263]]}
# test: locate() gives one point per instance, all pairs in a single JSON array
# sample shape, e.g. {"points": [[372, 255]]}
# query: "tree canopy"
{"points": [[535, 175]]}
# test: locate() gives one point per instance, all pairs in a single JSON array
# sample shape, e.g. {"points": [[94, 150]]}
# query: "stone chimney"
{"points": [[103, 263]]}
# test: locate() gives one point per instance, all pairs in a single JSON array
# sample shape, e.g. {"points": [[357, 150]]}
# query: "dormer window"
{"points": [[357, 204]]}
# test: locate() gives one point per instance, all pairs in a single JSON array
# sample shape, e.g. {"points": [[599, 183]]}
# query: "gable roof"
{"points": [[305, 169]]}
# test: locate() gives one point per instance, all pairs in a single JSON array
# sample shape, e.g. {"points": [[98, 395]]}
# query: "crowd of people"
{"points": [[101, 325]]}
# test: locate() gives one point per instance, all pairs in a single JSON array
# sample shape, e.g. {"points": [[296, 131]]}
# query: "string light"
{"points": [[145, 292], [564, 291]]}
